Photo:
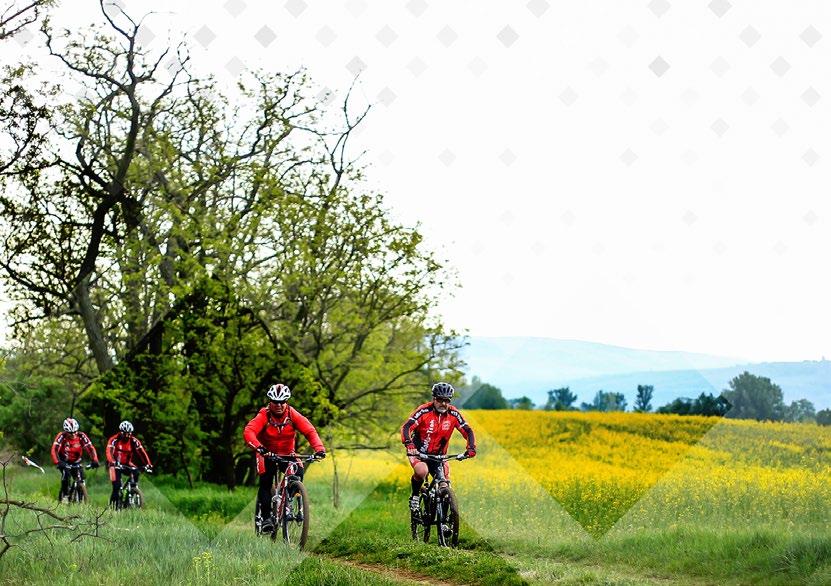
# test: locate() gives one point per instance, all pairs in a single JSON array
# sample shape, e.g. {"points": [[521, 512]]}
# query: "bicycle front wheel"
{"points": [[80, 495], [136, 499], [420, 520], [447, 519], [295, 518]]}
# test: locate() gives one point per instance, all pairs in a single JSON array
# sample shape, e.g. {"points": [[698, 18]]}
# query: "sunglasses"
{"points": [[278, 402]]}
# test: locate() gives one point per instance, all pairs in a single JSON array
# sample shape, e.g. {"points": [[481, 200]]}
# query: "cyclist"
{"points": [[68, 448], [122, 448], [272, 430], [428, 430]]}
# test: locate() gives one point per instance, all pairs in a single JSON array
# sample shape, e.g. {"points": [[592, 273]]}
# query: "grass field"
{"points": [[565, 498]]}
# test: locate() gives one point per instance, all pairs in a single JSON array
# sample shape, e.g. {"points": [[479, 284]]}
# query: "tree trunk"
{"points": [[335, 478], [92, 325]]}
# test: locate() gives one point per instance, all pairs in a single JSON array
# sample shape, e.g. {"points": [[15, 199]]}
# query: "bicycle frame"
{"points": [[439, 503], [289, 512], [75, 486], [281, 488], [129, 492]]}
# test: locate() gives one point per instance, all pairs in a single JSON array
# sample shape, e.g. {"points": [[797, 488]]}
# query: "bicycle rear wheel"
{"points": [[295, 515], [420, 521], [447, 518]]}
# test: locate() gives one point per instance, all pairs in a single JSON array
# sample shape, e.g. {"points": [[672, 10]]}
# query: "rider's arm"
{"points": [[90, 449], [141, 451], [253, 429], [55, 445], [305, 427], [409, 426], [465, 429], [108, 451]]}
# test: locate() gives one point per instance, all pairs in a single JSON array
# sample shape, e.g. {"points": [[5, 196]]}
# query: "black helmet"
{"points": [[443, 391]]}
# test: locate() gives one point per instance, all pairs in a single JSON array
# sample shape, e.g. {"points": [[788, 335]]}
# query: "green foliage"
{"points": [[32, 411], [523, 403], [643, 401], [705, 404], [486, 396], [606, 401], [824, 417], [801, 411], [560, 399], [754, 397], [227, 242]]}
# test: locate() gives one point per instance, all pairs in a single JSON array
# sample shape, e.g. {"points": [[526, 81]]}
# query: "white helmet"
{"points": [[125, 426], [70, 425], [278, 392]]}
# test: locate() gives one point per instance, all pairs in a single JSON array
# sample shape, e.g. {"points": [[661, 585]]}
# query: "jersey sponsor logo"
{"points": [[445, 426]]}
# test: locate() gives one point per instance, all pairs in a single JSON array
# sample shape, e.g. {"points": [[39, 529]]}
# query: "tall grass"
{"points": [[565, 498]]}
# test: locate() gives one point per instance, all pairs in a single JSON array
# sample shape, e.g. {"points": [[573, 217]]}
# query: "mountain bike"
{"points": [[76, 491], [289, 503], [437, 505], [130, 495]]}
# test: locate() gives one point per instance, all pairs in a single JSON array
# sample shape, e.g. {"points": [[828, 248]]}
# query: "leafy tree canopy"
{"points": [[754, 397]]}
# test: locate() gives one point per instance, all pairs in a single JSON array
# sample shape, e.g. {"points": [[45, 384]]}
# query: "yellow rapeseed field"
{"points": [[629, 470]]}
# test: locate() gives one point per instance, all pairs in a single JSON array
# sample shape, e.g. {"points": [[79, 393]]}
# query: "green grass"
{"points": [[204, 536], [378, 532]]}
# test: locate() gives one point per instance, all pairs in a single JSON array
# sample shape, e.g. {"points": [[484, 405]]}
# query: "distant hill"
{"points": [[531, 366]]}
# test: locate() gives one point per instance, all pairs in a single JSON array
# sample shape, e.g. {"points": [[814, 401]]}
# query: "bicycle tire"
{"points": [[137, 499], [81, 494], [447, 518], [294, 519], [420, 522], [123, 499]]}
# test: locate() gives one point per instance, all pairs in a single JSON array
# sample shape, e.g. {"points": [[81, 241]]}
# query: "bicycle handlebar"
{"points": [[442, 458], [126, 468], [289, 457], [76, 466]]}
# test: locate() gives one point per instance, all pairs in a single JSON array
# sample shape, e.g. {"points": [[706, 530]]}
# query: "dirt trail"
{"points": [[397, 574]]}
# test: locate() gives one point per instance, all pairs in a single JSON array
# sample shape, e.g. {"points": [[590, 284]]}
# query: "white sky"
{"points": [[577, 193]]}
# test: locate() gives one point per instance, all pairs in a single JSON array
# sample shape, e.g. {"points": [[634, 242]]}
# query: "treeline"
{"points": [[747, 397], [172, 247]]}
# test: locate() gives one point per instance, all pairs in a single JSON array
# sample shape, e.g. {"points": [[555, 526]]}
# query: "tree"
{"points": [[560, 399], [522, 403], [705, 404], [606, 401], [202, 244], [643, 401], [678, 406], [800, 411], [19, 14], [824, 417], [22, 116], [487, 396], [754, 397], [710, 406]]}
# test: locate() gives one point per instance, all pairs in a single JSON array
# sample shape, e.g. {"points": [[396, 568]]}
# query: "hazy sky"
{"points": [[648, 174]]}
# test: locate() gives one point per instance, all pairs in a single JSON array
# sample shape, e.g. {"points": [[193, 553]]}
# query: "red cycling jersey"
{"points": [[429, 431], [122, 450], [278, 435], [70, 449]]}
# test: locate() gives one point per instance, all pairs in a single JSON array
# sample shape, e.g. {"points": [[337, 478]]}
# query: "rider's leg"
{"points": [[115, 478], [266, 470], [419, 474], [64, 484]]}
